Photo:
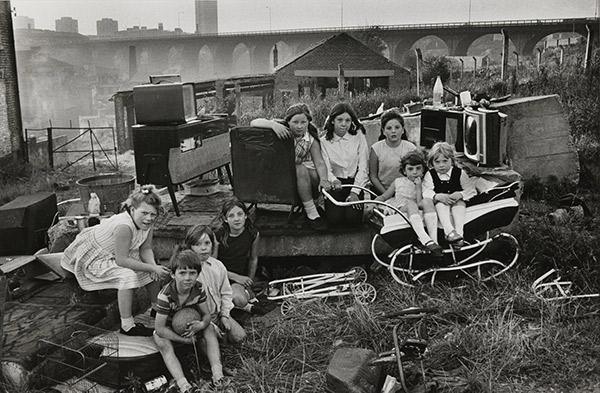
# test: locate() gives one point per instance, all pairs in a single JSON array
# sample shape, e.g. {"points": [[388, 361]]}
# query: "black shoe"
{"points": [[321, 211], [153, 313], [138, 330], [318, 224], [434, 248]]}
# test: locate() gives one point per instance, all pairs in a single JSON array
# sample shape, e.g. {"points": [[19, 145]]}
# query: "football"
{"points": [[183, 317]]}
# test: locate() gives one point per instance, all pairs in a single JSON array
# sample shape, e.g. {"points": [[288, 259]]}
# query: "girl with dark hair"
{"points": [[346, 155], [117, 254], [237, 248], [311, 171], [385, 154], [405, 193]]}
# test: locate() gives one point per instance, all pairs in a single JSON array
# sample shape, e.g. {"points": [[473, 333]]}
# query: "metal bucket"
{"points": [[112, 189]]}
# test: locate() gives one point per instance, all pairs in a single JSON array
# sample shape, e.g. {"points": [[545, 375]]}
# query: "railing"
{"points": [[479, 24], [95, 146]]}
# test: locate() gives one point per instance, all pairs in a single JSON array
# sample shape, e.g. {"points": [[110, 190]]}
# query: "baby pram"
{"points": [[482, 258]]}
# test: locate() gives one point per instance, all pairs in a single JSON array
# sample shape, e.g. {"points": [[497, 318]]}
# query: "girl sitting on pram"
{"points": [[405, 194]]}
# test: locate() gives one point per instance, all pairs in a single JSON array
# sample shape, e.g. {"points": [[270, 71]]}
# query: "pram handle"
{"points": [[363, 202]]}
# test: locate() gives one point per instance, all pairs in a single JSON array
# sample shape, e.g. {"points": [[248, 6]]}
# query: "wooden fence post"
{"points": [[505, 54], [341, 81]]}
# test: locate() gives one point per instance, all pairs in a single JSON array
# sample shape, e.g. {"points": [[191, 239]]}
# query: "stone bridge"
{"points": [[202, 57], [222, 55]]}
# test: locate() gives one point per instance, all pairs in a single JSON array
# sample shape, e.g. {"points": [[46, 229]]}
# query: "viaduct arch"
{"points": [[199, 57]]}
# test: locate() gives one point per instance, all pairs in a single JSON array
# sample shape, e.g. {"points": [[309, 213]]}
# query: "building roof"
{"points": [[340, 49]]}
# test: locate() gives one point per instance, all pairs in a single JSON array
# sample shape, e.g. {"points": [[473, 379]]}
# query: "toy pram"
{"points": [[324, 285], [481, 259]]}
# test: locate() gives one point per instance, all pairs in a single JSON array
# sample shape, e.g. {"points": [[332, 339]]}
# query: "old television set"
{"points": [[485, 136], [441, 125], [164, 103]]}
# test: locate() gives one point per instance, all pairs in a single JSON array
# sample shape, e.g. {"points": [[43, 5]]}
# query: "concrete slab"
{"points": [[280, 235], [539, 138]]}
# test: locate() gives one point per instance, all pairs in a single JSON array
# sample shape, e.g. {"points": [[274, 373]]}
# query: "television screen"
{"points": [[168, 103], [472, 134], [484, 136]]}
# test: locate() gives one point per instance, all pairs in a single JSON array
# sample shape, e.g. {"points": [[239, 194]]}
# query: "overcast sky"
{"points": [[252, 15]]}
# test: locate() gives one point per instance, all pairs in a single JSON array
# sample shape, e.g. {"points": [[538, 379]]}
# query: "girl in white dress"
{"points": [[406, 194], [117, 254]]}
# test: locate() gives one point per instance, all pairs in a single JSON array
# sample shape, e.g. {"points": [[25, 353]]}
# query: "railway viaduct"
{"points": [[201, 57]]}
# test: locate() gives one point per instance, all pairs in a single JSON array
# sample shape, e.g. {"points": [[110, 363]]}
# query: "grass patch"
{"points": [[492, 337]]}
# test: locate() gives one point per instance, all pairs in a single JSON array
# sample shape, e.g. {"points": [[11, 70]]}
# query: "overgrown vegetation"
{"points": [[492, 337]]}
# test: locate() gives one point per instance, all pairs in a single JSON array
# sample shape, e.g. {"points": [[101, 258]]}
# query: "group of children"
{"points": [[396, 169], [214, 272], [211, 272]]}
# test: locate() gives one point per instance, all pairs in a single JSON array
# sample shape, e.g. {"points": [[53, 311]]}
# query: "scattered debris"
{"points": [[556, 289], [324, 285]]}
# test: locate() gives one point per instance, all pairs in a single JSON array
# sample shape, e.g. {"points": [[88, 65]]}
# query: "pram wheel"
{"points": [[360, 274], [365, 293], [287, 306]]}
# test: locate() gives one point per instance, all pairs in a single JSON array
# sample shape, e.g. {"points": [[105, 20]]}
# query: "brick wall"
{"points": [[11, 138]]}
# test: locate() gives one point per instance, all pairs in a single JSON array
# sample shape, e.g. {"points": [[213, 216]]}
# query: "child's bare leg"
{"points": [[459, 211], [314, 183], [416, 222], [125, 302], [213, 353], [236, 333], [173, 365], [430, 218], [304, 186], [443, 212], [240, 295], [153, 288]]}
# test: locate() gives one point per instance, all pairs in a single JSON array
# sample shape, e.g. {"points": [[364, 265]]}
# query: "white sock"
{"points": [[431, 222], [127, 323], [217, 371], [443, 213], [311, 210], [417, 224], [183, 384], [458, 214]]}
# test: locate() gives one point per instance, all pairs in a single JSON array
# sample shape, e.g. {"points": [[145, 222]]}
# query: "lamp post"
{"points": [[178, 19], [469, 11], [269, 8]]}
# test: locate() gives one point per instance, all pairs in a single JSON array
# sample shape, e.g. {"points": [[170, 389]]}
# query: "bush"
{"points": [[434, 67], [363, 104]]}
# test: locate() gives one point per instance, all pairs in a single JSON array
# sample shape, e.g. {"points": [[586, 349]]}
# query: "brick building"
{"points": [[66, 24], [11, 137], [315, 70], [106, 27]]}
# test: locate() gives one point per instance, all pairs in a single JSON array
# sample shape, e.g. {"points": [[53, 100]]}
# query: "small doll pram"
{"points": [[323, 285]]}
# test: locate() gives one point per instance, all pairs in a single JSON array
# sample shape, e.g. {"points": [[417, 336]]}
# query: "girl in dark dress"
{"points": [[237, 248]]}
